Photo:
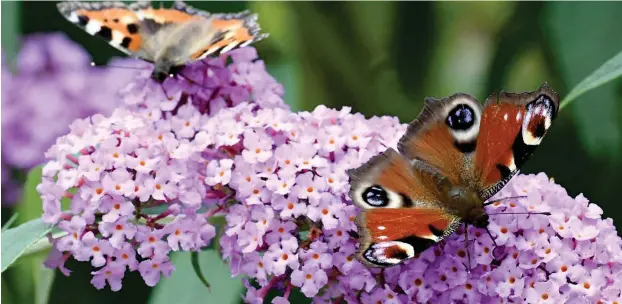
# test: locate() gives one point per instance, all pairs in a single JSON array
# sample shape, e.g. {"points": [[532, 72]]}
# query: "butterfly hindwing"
{"points": [[512, 127], [111, 21], [444, 135], [402, 209], [392, 235]]}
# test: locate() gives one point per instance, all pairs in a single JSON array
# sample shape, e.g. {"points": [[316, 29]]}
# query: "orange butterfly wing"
{"points": [[402, 209]]}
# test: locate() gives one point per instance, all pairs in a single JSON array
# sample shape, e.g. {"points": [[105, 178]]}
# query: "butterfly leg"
{"points": [[504, 198], [491, 237], [466, 237]]}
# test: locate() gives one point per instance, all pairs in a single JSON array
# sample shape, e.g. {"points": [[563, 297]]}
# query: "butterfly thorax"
{"points": [[467, 204]]}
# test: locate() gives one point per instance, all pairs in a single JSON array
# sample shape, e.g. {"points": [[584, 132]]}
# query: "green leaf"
{"points": [[44, 285], [609, 71], [10, 222], [29, 266], [194, 256], [220, 223], [30, 207], [183, 286], [596, 119], [16, 241], [11, 12]]}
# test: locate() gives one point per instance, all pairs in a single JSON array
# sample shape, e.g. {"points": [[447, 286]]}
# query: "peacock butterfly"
{"points": [[453, 158]]}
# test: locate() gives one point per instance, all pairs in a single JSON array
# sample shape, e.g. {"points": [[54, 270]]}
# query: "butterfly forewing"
{"points": [[444, 134], [111, 21], [511, 129]]}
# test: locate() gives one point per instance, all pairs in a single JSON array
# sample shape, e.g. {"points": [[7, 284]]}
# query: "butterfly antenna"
{"points": [[505, 198], [525, 213], [119, 67]]}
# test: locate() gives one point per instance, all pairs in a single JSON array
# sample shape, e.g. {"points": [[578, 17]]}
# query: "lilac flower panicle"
{"points": [[148, 177], [144, 181], [295, 221], [53, 85]]}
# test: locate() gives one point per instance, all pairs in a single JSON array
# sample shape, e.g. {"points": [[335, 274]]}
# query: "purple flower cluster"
{"points": [[219, 141], [294, 224], [135, 180], [53, 85]]}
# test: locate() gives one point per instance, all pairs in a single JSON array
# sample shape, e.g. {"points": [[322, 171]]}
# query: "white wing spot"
{"points": [[117, 38], [512, 164], [382, 227], [73, 17], [93, 27]]}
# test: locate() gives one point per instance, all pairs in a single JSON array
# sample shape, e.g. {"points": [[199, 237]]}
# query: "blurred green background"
{"points": [[383, 58]]}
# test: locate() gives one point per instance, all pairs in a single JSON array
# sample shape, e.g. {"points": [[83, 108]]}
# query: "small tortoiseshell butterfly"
{"points": [[453, 158], [169, 38]]}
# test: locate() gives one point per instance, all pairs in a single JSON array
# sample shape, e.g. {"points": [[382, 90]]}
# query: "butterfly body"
{"points": [[170, 38], [452, 159]]}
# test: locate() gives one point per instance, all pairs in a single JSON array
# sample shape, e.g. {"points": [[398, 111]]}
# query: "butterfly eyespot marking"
{"points": [[461, 117], [538, 118], [376, 196], [389, 253]]}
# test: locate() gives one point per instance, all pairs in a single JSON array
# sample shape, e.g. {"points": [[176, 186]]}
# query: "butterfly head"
{"points": [[164, 69], [468, 205]]}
